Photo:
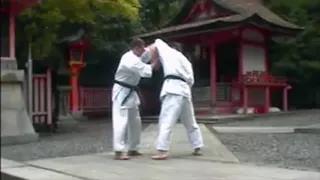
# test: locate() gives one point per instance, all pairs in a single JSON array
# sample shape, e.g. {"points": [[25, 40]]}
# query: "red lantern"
{"points": [[76, 62], [76, 55]]}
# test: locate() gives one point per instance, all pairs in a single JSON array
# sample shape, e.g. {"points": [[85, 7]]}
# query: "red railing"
{"points": [[260, 78], [93, 100], [98, 100], [42, 98]]}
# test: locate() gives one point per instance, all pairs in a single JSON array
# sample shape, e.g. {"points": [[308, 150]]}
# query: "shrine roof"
{"points": [[255, 7], [239, 12]]}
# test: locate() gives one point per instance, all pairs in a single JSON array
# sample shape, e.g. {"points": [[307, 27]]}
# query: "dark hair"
{"points": [[137, 43], [176, 46]]}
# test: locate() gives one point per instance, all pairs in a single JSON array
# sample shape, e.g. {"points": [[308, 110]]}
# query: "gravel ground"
{"points": [[304, 118], [88, 137], [293, 151]]}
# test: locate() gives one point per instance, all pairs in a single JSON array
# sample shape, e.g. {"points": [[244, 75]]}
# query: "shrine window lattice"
{"points": [[261, 78]]}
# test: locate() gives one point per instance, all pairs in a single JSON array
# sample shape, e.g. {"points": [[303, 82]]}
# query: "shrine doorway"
{"points": [[227, 69], [227, 63]]}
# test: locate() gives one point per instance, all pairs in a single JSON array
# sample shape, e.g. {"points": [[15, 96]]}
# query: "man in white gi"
{"points": [[176, 99], [125, 100]]}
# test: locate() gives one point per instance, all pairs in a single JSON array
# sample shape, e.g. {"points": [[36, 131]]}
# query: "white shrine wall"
{"points": [[253, 59]]}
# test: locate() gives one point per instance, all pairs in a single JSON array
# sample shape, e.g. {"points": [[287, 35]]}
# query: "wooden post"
{"points": [[245, 100], [241, 69], [49, 97], [285, 99], [267, 99], [74, 91], [213, 84]]}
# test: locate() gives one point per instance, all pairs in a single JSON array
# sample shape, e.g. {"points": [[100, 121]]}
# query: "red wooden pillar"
{"points": [[74, 90], [240, 55], [213, 84], [267, 99], [285, 99]]}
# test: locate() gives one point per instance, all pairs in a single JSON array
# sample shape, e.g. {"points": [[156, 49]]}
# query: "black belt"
{"points": [[174, 77], [129, 86]]}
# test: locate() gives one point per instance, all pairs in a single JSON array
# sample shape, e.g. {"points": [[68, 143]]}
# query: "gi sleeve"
{"points": [[190, 79], [145, 57], [189, 71], [138, 67]]}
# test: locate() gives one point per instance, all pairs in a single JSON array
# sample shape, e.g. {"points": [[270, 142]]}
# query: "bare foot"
{"points": [[162, 155], [197, 152], [121, 156]]}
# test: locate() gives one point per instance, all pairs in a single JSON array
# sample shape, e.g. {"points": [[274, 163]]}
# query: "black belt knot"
{"points": [[132, 88]]}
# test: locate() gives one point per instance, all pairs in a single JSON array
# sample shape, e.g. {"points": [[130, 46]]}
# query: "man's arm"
{"points": [[145, 57], [138, 67], [150, 55]]}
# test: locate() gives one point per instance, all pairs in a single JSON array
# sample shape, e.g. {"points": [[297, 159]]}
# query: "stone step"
{"points": [[180, 147], [203, 110], [215, 110], [223, 110]]}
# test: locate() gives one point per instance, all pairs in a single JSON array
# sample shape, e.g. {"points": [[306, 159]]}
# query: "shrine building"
{"points": [[227, 43]]}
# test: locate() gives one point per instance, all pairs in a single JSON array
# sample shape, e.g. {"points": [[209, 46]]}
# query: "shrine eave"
{"points": [[241, 7], [221, 23]]}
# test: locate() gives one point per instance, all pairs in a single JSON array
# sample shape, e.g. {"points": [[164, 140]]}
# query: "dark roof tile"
{"points": [[255, 6], [243, 9]]}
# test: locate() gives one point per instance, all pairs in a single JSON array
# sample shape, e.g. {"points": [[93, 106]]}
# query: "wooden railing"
{"points": [[223, 93], [42, 98], [260, 78]]}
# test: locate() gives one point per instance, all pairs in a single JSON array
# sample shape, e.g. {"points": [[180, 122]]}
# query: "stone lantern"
{"points": [[16, 125], [75, 46]]}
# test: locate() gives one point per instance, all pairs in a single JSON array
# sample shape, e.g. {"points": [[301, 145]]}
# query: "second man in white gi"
{"points": [[176, 99]]}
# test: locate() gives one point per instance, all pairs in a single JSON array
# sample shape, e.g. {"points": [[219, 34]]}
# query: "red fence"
{"points": [[93, 100], [42, 98], [98, 100]]}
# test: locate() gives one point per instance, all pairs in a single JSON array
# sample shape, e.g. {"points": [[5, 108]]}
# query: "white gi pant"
{"points": [[176, 107], [123, 119]]}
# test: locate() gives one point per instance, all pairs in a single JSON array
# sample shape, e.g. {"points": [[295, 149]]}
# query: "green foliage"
{"points": [[297, 58], [155, 14], [51, 20], [298, 54]]}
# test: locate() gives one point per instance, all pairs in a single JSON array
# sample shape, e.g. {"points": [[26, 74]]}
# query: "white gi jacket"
{"points": [[175, 63], [130, 71]]}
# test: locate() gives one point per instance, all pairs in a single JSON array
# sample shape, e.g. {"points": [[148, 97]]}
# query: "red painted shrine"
{"points": [[226, 41]]}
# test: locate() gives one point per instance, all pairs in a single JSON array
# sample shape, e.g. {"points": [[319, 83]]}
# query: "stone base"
{"points": [[66, 123], [16, 126], [79, 116], [19, 139]]}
